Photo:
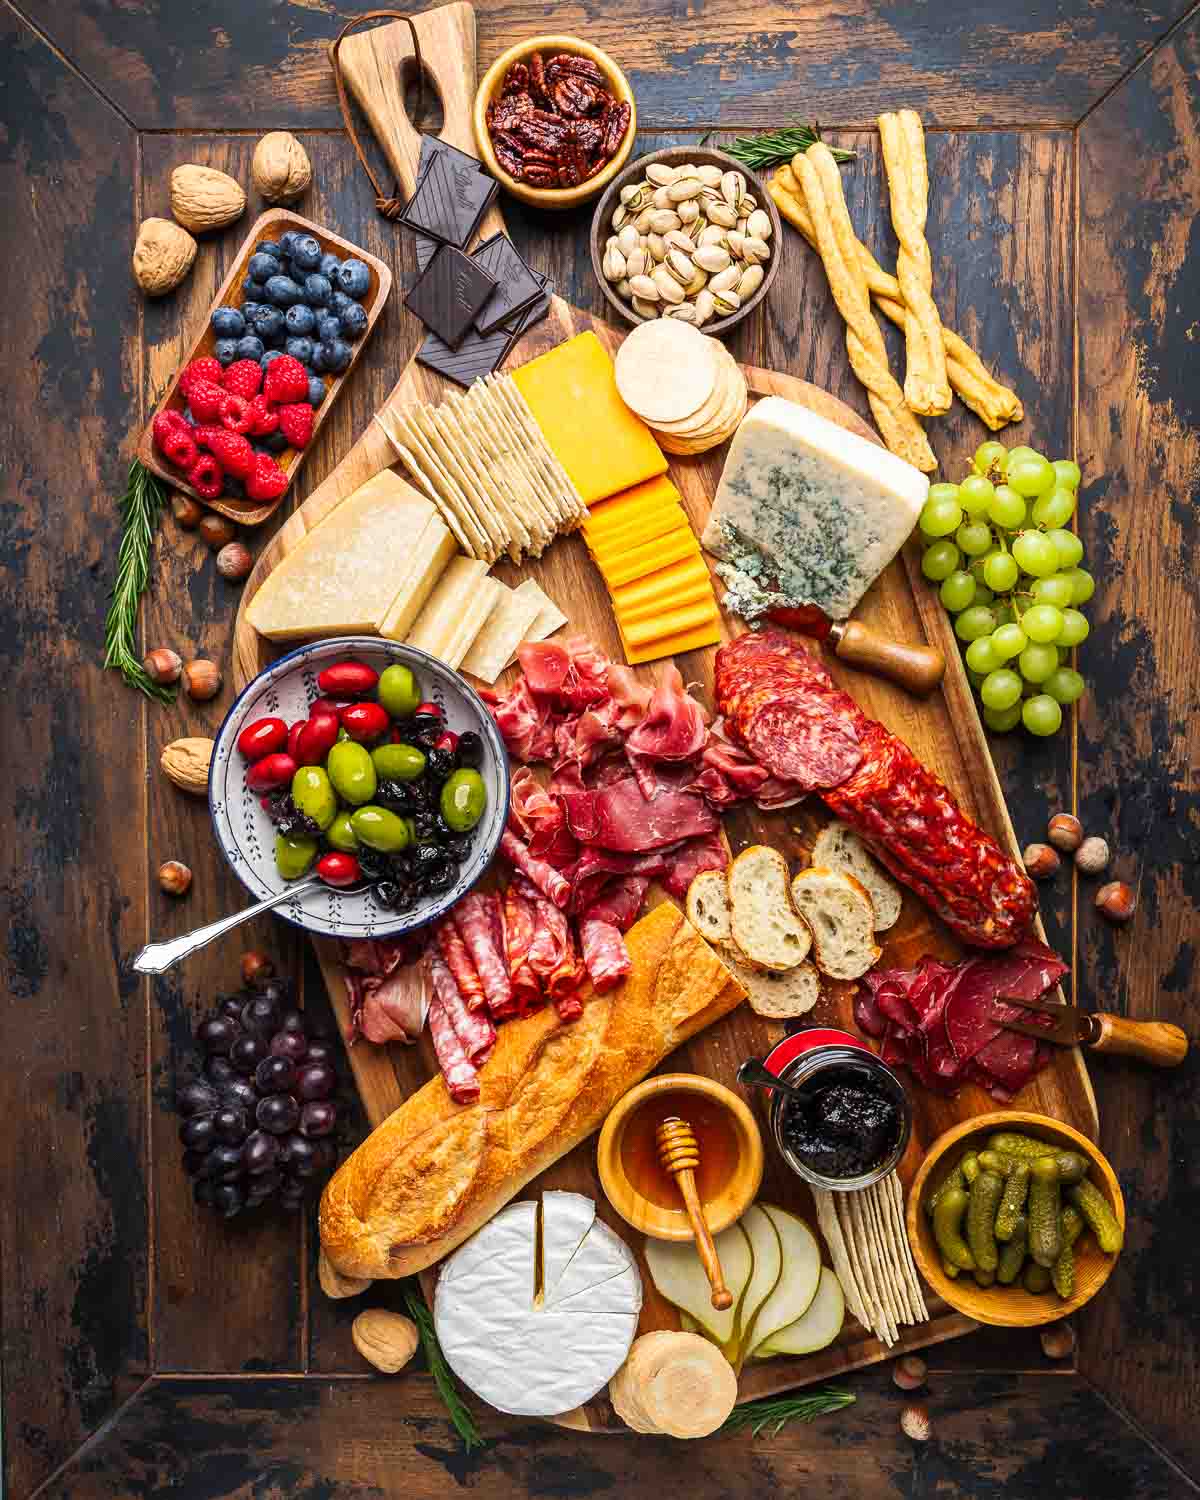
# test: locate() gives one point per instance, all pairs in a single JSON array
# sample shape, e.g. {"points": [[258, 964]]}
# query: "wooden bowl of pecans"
{"points": [[554, 121], [701, 244]]}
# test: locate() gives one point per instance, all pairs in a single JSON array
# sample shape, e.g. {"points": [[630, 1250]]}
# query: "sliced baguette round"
{"points": [[840, 848], [780, 997], [762, 921], [841, 918], [708, 906]]}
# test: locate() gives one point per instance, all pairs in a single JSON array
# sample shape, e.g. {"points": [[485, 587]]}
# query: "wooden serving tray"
{"points": [[943, 730], [268, 227]]}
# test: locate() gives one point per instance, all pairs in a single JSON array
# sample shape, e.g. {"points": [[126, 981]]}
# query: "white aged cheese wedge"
{"points": [[343, 576], [566, 1219], [549, 617], [528, 1356], [428, 562], [806, 512]]}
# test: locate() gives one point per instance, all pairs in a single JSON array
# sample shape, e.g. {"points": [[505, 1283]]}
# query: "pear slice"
{"points": [[797, 1284], [677, 1273], [819, 1326], [768, 1264]]}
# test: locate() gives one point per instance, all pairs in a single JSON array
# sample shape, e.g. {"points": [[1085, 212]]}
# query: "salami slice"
{"points": [[472, 1027], [458, 961], [519, 926], [604, 953], [458, 1071], [548, 880], [804, 739], [473, 920], [569, 1006]]}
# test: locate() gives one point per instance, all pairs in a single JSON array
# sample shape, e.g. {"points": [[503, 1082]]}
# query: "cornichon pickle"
{"points": [[1062, 1272], [1045, 1240], [1101, 1220], [1036, 1278], [1072, 1167], [970, 1166], [1012, 1201], [951, 1270], [996, 1161], [981, 1219], [953, 1179], [1012, 1254], [984, 1278], [947, 1228]]}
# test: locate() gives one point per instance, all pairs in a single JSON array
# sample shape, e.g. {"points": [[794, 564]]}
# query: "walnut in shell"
{"points": [[281, 169], [162, 256], [185, 762], [203, 198], [385, 1339]]}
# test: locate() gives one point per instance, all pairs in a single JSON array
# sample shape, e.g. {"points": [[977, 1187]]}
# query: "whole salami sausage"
{"points": [[472, 1027], [461, 1077], [473, 920]]}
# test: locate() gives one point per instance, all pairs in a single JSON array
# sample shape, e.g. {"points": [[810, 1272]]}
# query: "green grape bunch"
{"points": [[998, 547]]}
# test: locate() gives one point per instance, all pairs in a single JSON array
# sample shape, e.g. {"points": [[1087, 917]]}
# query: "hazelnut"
{"points": [[915, 1423], [256, 966], [386, 1340], [1040, 861], [202, 679], [163, 665], [1058, 1341], [1116, 901], [234, 562], [188, 512], [174, 878], [1092, 856], [909, 1373], [1065, 832], [334, 1284], [217, 531]]}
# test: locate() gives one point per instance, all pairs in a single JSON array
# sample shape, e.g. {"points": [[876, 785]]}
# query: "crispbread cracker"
{"points": [[894, 1200], [497, 466], [513, 536], [481, 509], [885, 1328], [542, 498], [525, 494], [889, 1290], [572, 504], [831, 1228], [452, 497], [418, 476]]}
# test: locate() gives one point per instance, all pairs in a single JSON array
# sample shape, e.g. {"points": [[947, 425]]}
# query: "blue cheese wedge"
{"points": [[807, 513]]}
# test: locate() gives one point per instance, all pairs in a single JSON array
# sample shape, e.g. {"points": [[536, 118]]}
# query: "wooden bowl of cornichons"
{"points": [[1015, 1219], [686, 233]]}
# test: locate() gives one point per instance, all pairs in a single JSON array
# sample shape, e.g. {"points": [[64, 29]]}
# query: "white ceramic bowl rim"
{"points": [[245, 834]]}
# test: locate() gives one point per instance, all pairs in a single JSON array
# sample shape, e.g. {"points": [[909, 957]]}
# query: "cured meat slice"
{"points": [[527, 725], [805, 740], [473, 920], [604, 953], [387, 1008], [618, 903], [459, 962], [696, 856], [674, 726], [569, 1007], [552, 884], [539, 818], [617, 816], [458, 1071], [552, 954], [472, 1027], [519, 927]]}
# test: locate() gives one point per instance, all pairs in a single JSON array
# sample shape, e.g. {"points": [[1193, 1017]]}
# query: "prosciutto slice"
{"points": [[674, 726], [696, 856], [459, 962], [555, 886], [387, 1007], [604, 953], [619, 817], [473, 920], [458, 1071], [539, 818]]}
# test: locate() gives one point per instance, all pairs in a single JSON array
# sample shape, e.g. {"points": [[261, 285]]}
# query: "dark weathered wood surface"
{"points": [[1065, 205]]}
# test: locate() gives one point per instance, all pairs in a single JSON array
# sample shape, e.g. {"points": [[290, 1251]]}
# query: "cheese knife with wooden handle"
{"points": [[918, 669], [1158, 1043]]}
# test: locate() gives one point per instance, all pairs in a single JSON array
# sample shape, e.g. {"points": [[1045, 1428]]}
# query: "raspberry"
{"points": [[206, 478], [232, 451], [205, 398], [243, 378], [296, 423], [200, 369], [164, 424], [180, 448], [263, 417], [235, 413], [285, 380], [267, 481], [204, 435]]}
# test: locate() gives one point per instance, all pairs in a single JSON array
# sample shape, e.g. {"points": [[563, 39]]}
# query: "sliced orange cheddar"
{"points": [[610, 544], [603, 446], [674, 645], [670, 622], [698, 592], [640, 497], [650, 557], [654, 587]]}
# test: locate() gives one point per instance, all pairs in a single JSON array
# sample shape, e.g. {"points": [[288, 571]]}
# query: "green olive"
{"points": [[398, 762], [352, 772], [398, 691], [411, 825], [340, 833], [464, 798], [294, 856], [380, 829], [314, 796]]}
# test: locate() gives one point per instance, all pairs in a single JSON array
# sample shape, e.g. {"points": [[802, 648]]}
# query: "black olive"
{"points": [[442, 829], [395, 795], [422, 795], [439, 764], [425, 824], [458, 848], [387, 893], [427, 857], [443, 879], [425, 739], [421, 723], [406, 900], [470, 749], [373, 864]]}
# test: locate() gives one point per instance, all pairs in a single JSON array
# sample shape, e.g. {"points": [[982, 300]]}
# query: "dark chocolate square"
{"points": [[474, 358], [432, 145], [522, 322], [517, 287], [448, 294], [451, 198], [426, 249]]}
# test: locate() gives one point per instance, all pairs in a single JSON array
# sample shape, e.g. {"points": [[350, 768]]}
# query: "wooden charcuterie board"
{"points": [[943, 730]]}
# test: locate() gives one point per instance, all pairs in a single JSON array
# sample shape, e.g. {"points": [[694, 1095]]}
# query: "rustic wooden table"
{"points": [[147, 1347]]}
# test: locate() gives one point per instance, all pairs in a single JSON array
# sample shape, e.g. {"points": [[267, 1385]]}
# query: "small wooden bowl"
{"points": [[673, 156], [489, 89], [1009, 1306], [672, 1224]]}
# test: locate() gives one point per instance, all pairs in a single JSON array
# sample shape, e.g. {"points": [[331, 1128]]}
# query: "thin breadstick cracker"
{"points": [[827, 1219]]}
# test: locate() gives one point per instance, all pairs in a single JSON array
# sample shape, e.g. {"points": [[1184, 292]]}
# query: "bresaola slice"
{"points": [[619, 817]]}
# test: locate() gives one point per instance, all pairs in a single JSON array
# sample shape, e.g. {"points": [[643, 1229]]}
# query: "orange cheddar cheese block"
{"points": [[674, 645], [650, 557], [669, 597], [655, 586], [611, 544], [603, 446], [633, 501], [669, 622]]}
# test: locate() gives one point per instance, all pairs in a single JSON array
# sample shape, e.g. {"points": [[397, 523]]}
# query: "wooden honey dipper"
{"points": [[679, 1154]]}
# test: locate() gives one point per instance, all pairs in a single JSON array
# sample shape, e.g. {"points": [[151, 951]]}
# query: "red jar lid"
{"points": [[792, 1047]]}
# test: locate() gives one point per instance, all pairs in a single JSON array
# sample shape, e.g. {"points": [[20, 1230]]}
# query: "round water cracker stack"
{"points": [[674, 1383], [728, 375], [666, 370], [722, 428]]}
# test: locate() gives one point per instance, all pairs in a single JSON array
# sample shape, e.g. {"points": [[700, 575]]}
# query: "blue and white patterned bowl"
{"points": [[246, 834]]}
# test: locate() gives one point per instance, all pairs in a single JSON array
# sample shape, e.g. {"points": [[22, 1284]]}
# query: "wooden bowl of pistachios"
{"points": [[687, 233]]}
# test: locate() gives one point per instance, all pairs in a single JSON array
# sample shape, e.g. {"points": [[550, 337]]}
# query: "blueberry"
{"points": [[228, 323], [339, 302], [262, 266], [300, 318], [234, 487], [354, 322], [317, 289], [287, 240], [301, 349], [250, 308], [338, 354], [275, 442], [225, 351], [328, 327], [250, 347], [268, 247], [282, 291], [329, 265], [271, 354], [354, 278], [316, 391], [318, 359], [267, 322], [306, 253], [250, 288]]}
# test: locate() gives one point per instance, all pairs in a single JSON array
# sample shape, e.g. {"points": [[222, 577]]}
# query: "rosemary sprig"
{"points": [[140, 507], [773, 146], [464, 1422], [772, 1415]]}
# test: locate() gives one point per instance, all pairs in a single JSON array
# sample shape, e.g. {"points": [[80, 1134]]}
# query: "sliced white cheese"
{"points": [[507, 626], [430, 558], [807, 513], [476, 613], [566, 1219], [456, 593], [548, 619], [342, 577], [601, 1254]]}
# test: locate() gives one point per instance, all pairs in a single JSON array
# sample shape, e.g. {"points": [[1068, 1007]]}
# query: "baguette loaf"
{"points": [[435, 1171]]}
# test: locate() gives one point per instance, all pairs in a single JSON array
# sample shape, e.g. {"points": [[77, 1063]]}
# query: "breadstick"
{"points": [[818, 172], [926, 388], [995, 404]]}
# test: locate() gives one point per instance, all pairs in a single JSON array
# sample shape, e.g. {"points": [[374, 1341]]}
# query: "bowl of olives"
{"points": [[371, 765]]}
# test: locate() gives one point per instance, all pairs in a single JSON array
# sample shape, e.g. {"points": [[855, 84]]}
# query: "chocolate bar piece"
{"points": [[449, 293], [475, 357], [450, 199], [524, 321], [517, 287]]}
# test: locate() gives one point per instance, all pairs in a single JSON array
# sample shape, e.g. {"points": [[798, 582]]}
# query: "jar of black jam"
{"points": [[852, 1122]]}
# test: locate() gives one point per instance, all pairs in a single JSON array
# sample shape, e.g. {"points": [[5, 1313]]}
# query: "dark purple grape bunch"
{"points": [[259, 1119]]}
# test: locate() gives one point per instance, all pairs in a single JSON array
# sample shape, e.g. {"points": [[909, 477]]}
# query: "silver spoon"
{"points": [[753, 1072], [157, 958]]}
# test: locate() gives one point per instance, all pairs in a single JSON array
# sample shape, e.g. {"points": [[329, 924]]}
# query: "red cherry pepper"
{"points": [[349, 679], [270, 773], [365, 721], [329, 706], [262, 737], [316, 739], [447, 740], [428, 708], [339, 870], [294, 735]]}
